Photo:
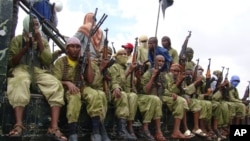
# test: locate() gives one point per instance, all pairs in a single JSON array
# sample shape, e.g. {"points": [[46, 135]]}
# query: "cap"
{"points": [[73, 40], [128, 45]]}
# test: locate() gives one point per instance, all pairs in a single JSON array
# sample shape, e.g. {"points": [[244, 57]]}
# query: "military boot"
{"points": [[122, 133], [73, 132], [95, 135], [103, 133]]}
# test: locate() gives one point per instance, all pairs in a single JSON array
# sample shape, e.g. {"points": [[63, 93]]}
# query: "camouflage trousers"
{"points": [[96, 104], [177, 107], [150, 107], [18, 90]]}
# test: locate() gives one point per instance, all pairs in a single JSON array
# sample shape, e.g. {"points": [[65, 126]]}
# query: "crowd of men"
{"points": [[141, 85]]}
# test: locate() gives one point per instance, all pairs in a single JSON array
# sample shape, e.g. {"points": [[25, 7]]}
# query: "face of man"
{"points": [[129, 51], [121, 57], [165, 42], [159, 61], [151, 44], [73, 51], [189, 76], [175, 71]]}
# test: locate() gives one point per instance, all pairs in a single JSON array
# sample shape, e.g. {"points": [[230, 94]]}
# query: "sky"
{"points": [[220, 28]]}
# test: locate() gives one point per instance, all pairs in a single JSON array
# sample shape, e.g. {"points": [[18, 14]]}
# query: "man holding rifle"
{"points": [[97, 39], [66, 69], [23, 48]]}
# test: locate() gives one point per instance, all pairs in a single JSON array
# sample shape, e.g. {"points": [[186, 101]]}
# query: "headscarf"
{"points": [[85, 29], [26, 23], [73, 40]]}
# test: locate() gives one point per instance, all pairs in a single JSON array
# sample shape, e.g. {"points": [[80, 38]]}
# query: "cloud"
{"points": [[220, 28]]}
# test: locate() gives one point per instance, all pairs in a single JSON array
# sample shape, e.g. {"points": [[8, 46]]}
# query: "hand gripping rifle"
{"points": [[83, 61], [134, 61], [182, 56]]}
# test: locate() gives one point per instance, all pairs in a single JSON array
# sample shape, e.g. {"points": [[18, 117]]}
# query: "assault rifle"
{"points": [[113, 47], [246, 98], [182, 56], [220, 78], [224, 87], [49, 29], [160, 87], [104, 57], [110, 63], [84, 57], [226, 76], [208, 76], [134, 61], [196, 70]]}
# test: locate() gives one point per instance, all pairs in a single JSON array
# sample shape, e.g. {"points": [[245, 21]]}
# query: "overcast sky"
{"points": [[220, 28]]}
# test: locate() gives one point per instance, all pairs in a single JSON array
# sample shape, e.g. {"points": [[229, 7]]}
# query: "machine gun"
{"points": [[85, 56], [182, 56], [134, 61], [49, 29]]}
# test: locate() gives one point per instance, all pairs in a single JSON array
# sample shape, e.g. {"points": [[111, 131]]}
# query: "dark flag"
{"points": [[165, 4]]}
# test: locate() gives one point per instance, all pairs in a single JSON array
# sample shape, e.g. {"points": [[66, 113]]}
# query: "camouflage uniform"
{"points": [[224, 106], [178, 106], [152, 108], [126, 106], [240, 109], [18, 90], [96, 103]]}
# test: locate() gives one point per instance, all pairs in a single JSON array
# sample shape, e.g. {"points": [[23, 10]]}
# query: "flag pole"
{"points": [[157, 22]]}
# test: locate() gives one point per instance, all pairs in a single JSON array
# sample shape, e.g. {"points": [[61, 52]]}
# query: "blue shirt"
{"points": [[160, 51]]}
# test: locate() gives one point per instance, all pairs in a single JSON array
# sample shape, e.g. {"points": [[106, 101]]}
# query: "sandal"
{"points": [[199, 132], [159, 137], [56, 134], [189, 134], [17, 131]]}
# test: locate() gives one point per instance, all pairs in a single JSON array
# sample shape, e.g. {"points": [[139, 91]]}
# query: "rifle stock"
{"points": [[246, 98]]}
